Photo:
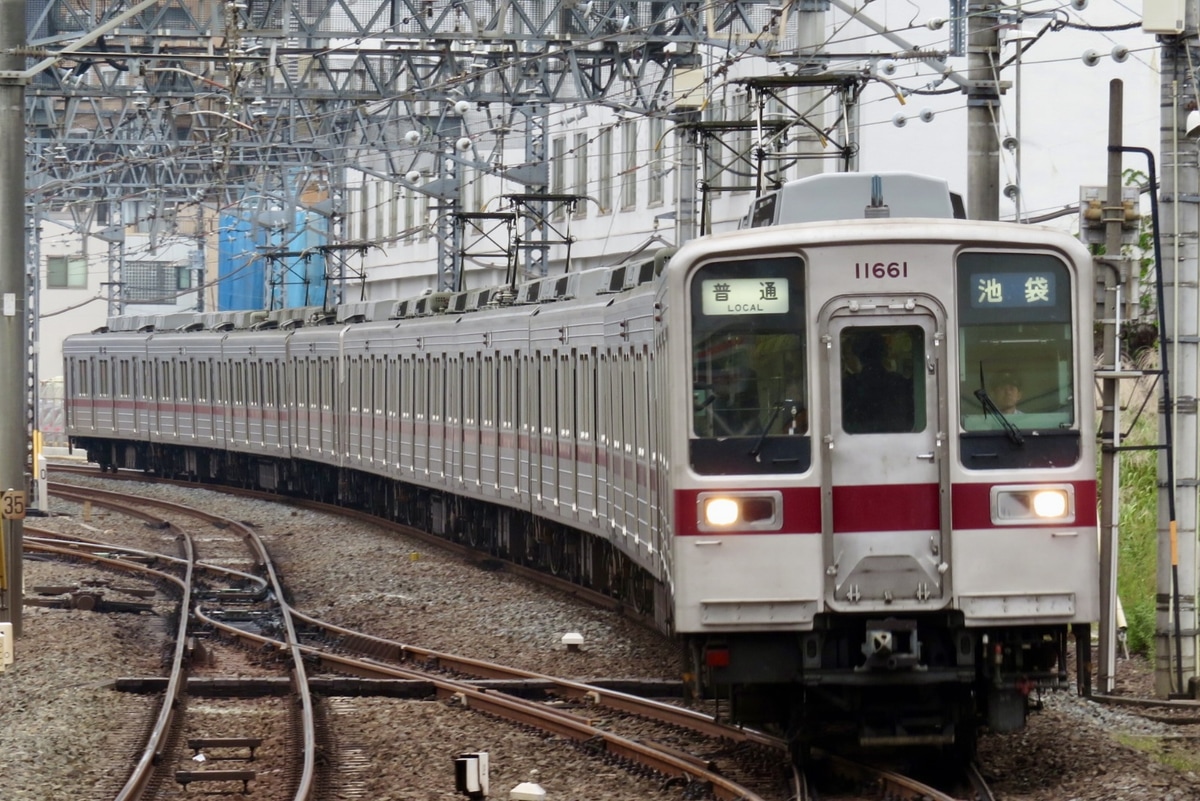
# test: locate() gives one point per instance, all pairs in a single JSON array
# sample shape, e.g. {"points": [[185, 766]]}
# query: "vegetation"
{"points": [[1137, 555], [1174, 753]]}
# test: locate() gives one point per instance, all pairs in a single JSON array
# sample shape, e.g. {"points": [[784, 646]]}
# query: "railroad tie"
{"points": [[186, 777], [198, 744]]}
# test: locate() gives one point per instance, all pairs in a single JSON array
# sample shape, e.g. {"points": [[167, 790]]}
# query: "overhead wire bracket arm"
{"points": [[24, 76], [941, 66]]}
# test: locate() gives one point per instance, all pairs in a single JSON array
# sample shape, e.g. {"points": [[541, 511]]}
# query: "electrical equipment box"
{"points": [[6, 645], [1092, 227], [471, 774], [1163, 17]]}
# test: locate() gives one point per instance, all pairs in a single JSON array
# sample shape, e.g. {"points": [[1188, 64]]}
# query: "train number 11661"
{"points": [[880, 269]]}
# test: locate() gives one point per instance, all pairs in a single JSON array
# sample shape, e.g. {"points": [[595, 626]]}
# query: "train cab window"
{"points": [[1016, 361], [749, 380]]}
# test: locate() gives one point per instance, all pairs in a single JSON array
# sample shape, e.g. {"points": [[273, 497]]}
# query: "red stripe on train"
{"points": [[901, 507], [972, 503]]}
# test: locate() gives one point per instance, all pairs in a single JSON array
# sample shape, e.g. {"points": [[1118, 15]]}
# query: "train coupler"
{"points": [[891, 644]]}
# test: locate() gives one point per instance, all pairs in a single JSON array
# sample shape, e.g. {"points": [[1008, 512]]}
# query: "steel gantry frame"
{"points": [[165, 108]]}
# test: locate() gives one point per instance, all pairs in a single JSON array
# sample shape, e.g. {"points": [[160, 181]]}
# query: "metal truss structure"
{"points": [[167, 110]]}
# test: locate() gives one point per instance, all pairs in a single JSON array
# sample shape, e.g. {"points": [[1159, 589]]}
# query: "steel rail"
{"points": [[499, 704], [152, 754], [978, 784], [894, 786], [624, 702]]}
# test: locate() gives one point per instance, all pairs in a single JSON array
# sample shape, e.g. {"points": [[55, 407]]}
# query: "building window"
{"points": [[655, 185], [604, 185], [410, 213], [151, 281], [380, 209], [66, 272], [558, 177], [581, 172], [364, 229], [629, 142]]}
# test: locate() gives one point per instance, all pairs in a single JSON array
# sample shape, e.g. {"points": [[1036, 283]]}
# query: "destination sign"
{"points": [[726, 296], [1019, 290]]}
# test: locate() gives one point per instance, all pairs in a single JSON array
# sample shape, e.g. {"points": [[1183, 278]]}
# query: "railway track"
{"points": [[184, 719], [214, 612], [585, 713]]}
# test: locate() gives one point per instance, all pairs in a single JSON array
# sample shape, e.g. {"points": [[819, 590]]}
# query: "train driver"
{"points": [[1006, 392]]}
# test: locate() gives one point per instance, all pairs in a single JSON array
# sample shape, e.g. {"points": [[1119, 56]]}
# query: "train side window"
{"points": [[487, 390], [506, 393], [405, 382], [326, 368], [311, 397], [391, 386], [379, 368], [585, 400], [421, 390], [567, 427], [84, 388]]}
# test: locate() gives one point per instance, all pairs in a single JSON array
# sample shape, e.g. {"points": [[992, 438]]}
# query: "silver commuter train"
{"points": [[791, 443]]}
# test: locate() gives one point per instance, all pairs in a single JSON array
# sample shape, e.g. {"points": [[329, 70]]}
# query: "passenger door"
{"points": [[885, 504]]}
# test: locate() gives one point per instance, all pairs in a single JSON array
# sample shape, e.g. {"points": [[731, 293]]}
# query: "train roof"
{"points": [[855, 196], [583, 283]]}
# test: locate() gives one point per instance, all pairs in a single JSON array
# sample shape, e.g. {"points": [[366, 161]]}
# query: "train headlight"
{"points": [[1025, 504], [721, 512], [1050, 503], [741, 511]]}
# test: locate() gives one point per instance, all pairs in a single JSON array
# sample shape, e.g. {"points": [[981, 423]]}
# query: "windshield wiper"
{"points": [[762, 438], [990, 407]]}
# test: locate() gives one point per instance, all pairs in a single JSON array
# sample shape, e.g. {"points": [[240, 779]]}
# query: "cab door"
{"points": [[885, 499]]}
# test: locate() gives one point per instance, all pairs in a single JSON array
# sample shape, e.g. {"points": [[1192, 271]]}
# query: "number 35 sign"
{"points": [[12, 505]]}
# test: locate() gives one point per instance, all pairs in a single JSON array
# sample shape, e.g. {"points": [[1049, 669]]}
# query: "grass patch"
{"points": [[1177, 753]]}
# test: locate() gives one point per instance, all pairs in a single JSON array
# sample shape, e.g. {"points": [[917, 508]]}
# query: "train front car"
{"points": [[884, 493]]}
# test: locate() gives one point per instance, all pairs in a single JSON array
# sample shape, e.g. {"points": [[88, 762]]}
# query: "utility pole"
{"points": [[983, 106], [1114, 219], [1179, 224], [14, 438]]}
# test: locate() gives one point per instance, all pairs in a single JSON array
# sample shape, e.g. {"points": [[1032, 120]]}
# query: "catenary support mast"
{"points": [[1175, 619], [14, 439], [983, 103]]}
